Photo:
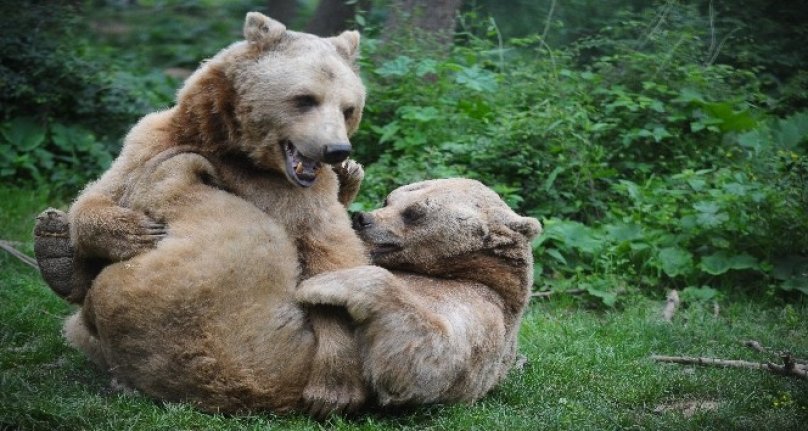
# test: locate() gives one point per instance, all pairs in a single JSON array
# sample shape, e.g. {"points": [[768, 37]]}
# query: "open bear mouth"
{"points": [[300, 169]]}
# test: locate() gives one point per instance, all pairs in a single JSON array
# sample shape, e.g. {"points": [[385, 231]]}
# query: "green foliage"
{"points": [[657, 156], [50, 154], [652, 166]]}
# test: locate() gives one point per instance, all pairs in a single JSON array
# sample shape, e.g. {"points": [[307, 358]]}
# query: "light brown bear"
{"points": [[440, 323], [270, 113], [208, 316]]}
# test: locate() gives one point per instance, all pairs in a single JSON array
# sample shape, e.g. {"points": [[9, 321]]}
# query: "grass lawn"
{"points": [[587, 369]]}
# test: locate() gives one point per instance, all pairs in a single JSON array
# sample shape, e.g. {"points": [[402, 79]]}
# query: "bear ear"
{"points": [[347, 45], [527, 226], [262, 31]]}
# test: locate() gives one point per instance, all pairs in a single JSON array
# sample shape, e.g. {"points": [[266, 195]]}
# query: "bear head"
{"points": [[289, 101], [430, 226]]}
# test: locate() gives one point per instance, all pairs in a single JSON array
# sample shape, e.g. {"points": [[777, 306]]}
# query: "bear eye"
{"points": [[348, 112], [305, 101], [413, 213]]}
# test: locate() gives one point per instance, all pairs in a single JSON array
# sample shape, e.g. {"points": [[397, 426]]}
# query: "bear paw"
{"points": [[136, 233], [53, 252], [335, 395], [350, 175]]}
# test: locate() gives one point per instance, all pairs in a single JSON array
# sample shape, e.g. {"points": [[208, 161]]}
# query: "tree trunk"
{"points": [[284, 11], [436, 17], [331, 17]]}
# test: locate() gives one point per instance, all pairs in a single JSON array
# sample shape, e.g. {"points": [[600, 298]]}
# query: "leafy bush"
{"points": [[652, 166], [656, 158], [63, 111], [65, 156]]}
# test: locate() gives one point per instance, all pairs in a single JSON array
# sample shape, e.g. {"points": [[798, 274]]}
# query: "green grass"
{"points": [[588, 369]]}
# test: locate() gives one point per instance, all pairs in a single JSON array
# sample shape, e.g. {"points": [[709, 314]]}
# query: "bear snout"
{"points": [[361, 220], [336, 153]]}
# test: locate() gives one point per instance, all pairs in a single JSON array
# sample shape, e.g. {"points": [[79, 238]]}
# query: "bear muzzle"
{"points": [[336, 153]]}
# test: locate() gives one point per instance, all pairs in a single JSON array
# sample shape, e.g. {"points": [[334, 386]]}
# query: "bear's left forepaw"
{"points": [[53, 252], [334, 395]]}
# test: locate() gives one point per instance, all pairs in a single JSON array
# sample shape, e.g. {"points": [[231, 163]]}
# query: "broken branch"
{"points": [[28, 260], [549, 293], [789, 369]]}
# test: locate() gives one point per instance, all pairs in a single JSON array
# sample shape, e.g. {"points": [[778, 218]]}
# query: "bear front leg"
{"points": [[364, 291], [350, 175], [335, 384], [67, 274], [99, 228]]}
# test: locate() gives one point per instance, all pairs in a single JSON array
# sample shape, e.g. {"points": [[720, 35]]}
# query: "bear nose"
{"points": [[335, 153], [362, 220]]}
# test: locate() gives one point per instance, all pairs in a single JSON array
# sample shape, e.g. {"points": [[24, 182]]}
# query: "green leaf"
{"points": [[690, 95], [477, 79], [421, 114], [721, 262], [573, 234], [789, 267], [23, 133], [675, 261], [548, 183], [426, 66], [399, 66], [608, 298], [555, 254], [624, 232], [699, 294]]}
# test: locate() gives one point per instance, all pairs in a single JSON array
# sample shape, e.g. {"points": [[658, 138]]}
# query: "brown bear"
{"points": [[439, 324], [208, 316], [270, 114]]}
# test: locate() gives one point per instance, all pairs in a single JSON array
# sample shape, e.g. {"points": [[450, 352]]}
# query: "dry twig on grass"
{"points": [[785, 356], [671, 304], [549, 293], [28, 260], [754, 345], [789, 367]]}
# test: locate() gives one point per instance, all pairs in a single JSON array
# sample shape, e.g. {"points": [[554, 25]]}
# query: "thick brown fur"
{"points": [[237, 111], [179, 322], [439, 324]]}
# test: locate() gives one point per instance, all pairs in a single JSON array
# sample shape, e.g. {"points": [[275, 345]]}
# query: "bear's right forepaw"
{"points": [[350, 175], [350, 172], [136, 234]]}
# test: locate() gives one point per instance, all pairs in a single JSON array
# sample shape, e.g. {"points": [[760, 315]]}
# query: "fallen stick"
{"points": [[28, 260], [549, 293], [790, 369], [785, 356], [671, 304]]}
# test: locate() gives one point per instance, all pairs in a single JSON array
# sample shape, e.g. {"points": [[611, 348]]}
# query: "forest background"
{"points": [[663, 144]]}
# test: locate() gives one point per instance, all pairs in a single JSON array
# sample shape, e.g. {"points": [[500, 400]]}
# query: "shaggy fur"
{"points": [[182, 322], [278, 92], [440, 323]]}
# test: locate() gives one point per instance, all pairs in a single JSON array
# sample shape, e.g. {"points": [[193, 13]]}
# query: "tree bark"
{"points": [[437, 17], [284, 11], [331, 17]]}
